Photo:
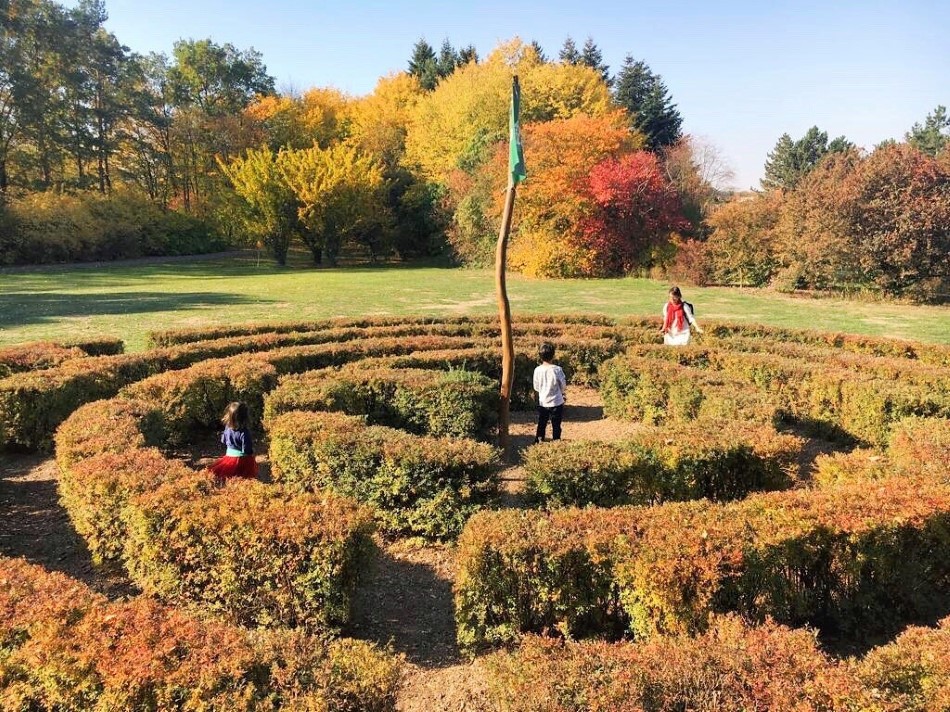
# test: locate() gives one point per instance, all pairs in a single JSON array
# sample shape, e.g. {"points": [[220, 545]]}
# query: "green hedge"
{"points": [[417, 485], [713, 459], [441, 403]]}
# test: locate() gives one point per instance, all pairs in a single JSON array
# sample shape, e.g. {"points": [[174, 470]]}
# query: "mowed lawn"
{"points": [[129, 301]]}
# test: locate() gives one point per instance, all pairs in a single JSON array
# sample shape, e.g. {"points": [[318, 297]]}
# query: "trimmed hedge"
{"points": [[730, 667], [440, 403], [35, 356], [678, 385], [194, 398], [921, 446], [417, 485], [842, 558], [67, 648], [713, 459], [259, 554]]}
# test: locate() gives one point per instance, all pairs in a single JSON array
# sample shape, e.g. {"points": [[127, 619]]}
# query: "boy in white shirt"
{"points": [[550, 384]]}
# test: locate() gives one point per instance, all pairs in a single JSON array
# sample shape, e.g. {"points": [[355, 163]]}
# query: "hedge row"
{"points": [[762, 387], [33, 404], [261, 554], [67, 648], [441, 403], [843, 558], [714, 459], [172, 337], [732, 666], [39, 355], [417, 485]]}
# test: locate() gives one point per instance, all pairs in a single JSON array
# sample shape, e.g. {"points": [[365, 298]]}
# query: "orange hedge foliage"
{"points": [[258, 553], [66, 648], [843, 557]]}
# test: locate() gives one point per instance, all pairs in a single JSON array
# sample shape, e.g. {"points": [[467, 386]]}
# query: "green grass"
{"points": [[128, 301]]}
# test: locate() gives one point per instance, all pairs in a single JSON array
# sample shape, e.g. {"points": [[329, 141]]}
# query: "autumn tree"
{"points": [[273, 205], [900, 218], [741, 245], [634, 211], [700, 175], [339, 194]]}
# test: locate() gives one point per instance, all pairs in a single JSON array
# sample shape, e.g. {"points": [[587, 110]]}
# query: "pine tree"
{"points": [[569, 53], [423, 65], [466, 55], [790, 161], [593, 58], [448, 59], [542, 57], [933, 136], [648, 102], [780, 169]]}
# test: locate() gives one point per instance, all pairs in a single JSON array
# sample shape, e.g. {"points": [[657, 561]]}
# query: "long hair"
{"points": [[235, 416], [675, 292]]}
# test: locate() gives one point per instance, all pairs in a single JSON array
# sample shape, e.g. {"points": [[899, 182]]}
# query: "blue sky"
{"points": [[742, 72]]}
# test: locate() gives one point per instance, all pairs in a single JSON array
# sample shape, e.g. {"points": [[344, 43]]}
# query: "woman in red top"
{"points": [[677, 319], [238, 460]]}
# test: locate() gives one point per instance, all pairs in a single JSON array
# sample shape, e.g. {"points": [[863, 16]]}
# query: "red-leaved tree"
{"points": [[634, 210]]}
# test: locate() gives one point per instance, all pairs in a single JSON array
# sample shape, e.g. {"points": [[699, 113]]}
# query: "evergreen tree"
{"points": [[934, 135], [542, 57], [448, 59], [790, 161], [423, 65], [593, 58], [569, 53], [466, 55], [648, 102]]}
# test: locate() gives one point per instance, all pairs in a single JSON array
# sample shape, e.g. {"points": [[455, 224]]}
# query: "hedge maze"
{"points": [[673, 569]]}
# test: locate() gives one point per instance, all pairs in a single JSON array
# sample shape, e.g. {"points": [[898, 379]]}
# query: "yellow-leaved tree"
{"points": [[319, 116], [457, 125], [340, 193], [272, 204], [379, 121]]}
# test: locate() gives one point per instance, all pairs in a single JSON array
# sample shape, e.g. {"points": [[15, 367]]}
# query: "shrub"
{"points": [[845, 558], [921, 446], [452, 403], [194, 398], [851, 468], [260, 554], [731, 667], [417, 485], [717, 460], [115, 426], [35, 357], [67, 648]]}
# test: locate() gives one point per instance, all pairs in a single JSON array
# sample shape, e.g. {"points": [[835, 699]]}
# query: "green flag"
{"points": [[516, 169]]}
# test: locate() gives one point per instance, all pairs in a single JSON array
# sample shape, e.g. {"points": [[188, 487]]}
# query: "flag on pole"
{"points": [[516, 169]]}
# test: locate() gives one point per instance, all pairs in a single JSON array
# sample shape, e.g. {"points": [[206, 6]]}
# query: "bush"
{"points": [[35, 357], [259, 554], [67, 648], [921, 446], [417, 485], [448, 403], [845, 558], [851, 468], [731, 667], [716, 460], [194, 398], [55, 227]]}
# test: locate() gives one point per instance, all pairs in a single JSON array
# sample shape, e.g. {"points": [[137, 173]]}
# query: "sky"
{"points": [[742, 72]]}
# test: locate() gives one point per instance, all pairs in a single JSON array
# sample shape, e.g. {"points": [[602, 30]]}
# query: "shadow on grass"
{"points": [[34, 308]]}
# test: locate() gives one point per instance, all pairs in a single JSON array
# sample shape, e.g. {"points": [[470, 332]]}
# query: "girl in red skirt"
{"points": [[238, 460]]}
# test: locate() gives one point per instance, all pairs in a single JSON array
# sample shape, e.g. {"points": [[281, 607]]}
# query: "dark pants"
{"points": [[554, 414]]}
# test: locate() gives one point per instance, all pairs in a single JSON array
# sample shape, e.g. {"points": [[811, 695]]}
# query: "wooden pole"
{"points": [[504, 315]]}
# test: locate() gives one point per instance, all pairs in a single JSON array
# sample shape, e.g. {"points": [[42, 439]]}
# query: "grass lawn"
{"points": [[128, 301]]}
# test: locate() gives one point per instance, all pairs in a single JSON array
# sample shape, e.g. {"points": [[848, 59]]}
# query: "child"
{"points": [[550, 383], [238, 460], [677, 318]]}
